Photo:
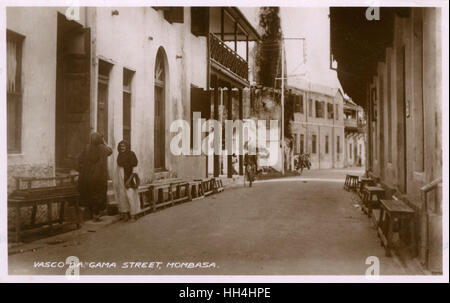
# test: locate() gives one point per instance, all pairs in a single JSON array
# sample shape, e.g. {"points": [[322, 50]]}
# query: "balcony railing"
{"points": [[350, 123], [226, 57]]}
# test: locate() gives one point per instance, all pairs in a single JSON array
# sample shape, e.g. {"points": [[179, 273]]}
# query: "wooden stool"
{"points": [[351, 182], [363, 181], [368, 193], [392, 212], [196, 190], [218, 186]]}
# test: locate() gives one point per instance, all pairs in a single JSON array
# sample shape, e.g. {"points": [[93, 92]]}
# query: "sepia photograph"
{"points": [[289, 141]]}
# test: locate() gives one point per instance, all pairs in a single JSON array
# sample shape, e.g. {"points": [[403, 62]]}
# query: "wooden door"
{"points": [[159, 135], [75, 98], [102, 107]]}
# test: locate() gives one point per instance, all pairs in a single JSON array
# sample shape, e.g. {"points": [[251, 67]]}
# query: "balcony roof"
{"points": [[237, 15], [358, 44]]}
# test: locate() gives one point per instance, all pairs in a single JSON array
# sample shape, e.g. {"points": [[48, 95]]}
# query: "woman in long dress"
{"points": [[127, 197], [93, 175]]}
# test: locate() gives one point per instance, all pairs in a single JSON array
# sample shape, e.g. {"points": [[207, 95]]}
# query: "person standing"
{"points": [[126, 194], [93, 175], [250, 167]]}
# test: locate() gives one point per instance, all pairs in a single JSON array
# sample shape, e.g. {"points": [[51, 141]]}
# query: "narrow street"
{"points": [[305, 225]]}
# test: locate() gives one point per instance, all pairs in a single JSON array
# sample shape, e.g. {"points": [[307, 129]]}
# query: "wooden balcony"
{"points": [[226, 58], [350, 123]]}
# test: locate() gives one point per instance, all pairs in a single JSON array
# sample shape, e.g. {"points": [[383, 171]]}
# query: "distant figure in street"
{"points": [[250, 167], [303, 161], [93, 175], [235, 164], [125, 180]]}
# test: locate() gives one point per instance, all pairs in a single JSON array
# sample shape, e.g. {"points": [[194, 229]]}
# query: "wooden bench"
{"points": [[145, 201], [351, 182], [161, 193], [392, 214], [218, 185], [363, 181], [368, 203], [166, 192], [63, 194], [207, 185], [180, 191], [196, 190]]}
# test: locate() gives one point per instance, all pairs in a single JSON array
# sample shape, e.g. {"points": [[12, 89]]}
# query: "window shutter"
{"points": [[301, 103], [200, 21], [174, 14]]}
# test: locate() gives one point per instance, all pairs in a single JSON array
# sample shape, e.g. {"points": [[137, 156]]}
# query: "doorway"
{"points": [[160, 95], [401, 103], [72, 93]]}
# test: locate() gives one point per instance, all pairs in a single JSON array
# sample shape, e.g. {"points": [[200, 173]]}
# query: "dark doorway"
{"points": [[160, 85], [72, 93], [104, 69], [401, 103]]}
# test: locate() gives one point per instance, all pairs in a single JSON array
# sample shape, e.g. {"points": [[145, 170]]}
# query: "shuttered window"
{"points": [[298, 104], [14, 89], [330, 111], [314, 143], [200, 21], [302, 146], [127, 97], [320, 109]]}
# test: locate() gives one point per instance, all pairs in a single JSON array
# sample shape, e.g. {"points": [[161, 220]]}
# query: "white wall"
{"points": [[132, 39]]}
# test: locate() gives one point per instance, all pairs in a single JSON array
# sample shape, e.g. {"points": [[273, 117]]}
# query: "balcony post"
{"points": [[235, 36], [246, 48], [230, 117], [216, 117], [222, 20], [241, 133]]}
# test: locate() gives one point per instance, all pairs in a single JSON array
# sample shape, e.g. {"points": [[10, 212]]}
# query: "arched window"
{"points": [[160, 84]]}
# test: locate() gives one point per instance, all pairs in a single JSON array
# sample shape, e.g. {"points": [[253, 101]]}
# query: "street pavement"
{"points": [[306, 225]]}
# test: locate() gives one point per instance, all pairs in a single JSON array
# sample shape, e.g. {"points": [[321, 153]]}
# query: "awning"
{"points": [[358, 44]]}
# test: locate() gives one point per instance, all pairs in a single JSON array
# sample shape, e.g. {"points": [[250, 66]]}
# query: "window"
{"points": [[350, 150], [302, 146], [14, 91], [127, 92], [330, 111], [326, 144], [159, 141], [298, 104], [319, 109], [174, 14], [310, 107], [314, 142], [104, 69], [338, 147], [200, 21], [295, 143], [337, 111], [389, 108]]}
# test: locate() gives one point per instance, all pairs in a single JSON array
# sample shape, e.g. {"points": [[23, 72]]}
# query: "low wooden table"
{"points": [[63, 195], [351, 182], [367, 198], [207, 185], [196, 190], [218, 185], [363, 181], [392, 212]]}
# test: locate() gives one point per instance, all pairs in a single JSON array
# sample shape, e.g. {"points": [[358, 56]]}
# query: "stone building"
{"points": [[398, 72], [355, 136], [126, 72], [318, 124]]}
